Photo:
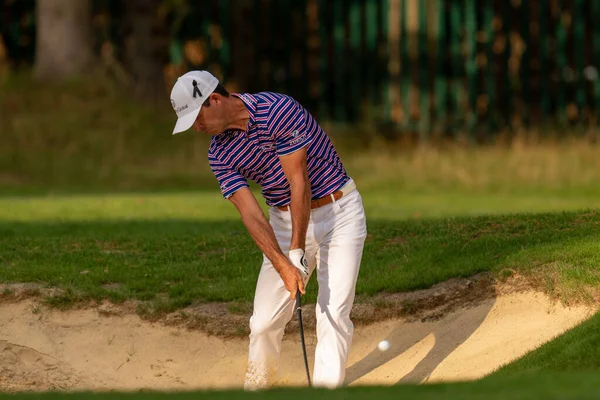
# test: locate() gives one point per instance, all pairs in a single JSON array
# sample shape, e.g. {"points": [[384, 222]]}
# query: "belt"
{"points": [[338, 194]]}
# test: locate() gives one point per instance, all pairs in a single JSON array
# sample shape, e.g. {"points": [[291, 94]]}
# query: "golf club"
{"points": [[299, 310]]}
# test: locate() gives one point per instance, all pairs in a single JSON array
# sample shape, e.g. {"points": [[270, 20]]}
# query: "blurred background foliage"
{"points": [[416, 68], [84, 83]]}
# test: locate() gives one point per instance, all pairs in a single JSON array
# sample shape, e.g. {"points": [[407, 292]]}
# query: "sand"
{"points": [[44, 349]]}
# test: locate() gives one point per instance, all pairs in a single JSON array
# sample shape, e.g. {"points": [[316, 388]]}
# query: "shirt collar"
{"points": [[250, 102]]}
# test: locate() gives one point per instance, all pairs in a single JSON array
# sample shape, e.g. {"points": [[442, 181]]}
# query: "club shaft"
{"points": [[299, 310]]}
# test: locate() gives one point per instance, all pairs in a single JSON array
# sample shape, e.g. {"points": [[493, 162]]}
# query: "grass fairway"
{"points": [[93, 201], [547, 385], [380, 203], [175, 250]]}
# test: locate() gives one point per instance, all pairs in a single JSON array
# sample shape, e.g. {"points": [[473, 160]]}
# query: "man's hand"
{"points": [[297, 258], [292, 278], [263, 235]]}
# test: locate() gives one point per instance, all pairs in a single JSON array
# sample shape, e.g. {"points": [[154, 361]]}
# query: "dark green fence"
{"points": [[411, 67]]}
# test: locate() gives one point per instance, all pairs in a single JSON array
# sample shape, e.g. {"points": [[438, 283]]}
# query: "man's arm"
{"points": [[294, 168], [262, 233], [292, 136]]}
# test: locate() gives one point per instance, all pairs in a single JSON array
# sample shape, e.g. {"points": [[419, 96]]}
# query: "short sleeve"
{"points": [[288, 126], [229, 179]]}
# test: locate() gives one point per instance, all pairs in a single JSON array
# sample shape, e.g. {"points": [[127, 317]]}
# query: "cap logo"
{"points": [[173, 103], [196, 90]]}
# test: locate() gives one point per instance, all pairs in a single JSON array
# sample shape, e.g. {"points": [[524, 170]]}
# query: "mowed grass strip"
{"points": [[382, 203], [528, 386], [175, 261]]}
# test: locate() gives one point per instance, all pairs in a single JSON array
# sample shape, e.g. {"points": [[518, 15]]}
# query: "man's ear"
{"points": [[215, 98]]}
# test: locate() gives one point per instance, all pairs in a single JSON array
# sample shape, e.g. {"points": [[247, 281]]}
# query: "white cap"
{"points": [[189, 92]]}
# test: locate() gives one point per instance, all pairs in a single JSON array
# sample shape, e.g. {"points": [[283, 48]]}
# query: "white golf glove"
{"points": [[297, 258]]}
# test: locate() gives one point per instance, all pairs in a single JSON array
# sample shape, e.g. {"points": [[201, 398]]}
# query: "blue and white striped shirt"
{"points": [[278, 125]]}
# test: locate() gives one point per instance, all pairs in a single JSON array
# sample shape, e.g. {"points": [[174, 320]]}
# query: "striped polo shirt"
{"points": [[278, 125]]}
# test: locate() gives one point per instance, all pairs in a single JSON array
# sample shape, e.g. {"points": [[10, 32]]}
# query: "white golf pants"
{"points": [[334, 247]]}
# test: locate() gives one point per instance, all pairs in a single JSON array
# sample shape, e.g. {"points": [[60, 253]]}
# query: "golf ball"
{"points": [[383, 345]]}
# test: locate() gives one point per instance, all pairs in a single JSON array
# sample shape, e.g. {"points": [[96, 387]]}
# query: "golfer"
{"points": [[316, 216]]}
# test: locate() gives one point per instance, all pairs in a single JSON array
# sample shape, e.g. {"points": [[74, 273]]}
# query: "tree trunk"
{"points": [[147, 51], [64, 44], [243, 47]]}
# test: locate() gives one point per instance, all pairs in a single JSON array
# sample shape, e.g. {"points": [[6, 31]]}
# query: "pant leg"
{"points": [[338, 264], [273, 309]]}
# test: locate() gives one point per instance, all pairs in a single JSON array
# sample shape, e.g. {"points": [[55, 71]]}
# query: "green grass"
{"points": [[89, 136], [539, 386], [99, 199], [179, 249], [209, 205]]}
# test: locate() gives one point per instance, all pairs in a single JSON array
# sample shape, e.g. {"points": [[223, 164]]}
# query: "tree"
{"points": [[64, 45], [147, 51]]}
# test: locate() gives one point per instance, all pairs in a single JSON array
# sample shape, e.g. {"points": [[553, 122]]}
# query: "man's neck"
{"points": [[239, 115]]}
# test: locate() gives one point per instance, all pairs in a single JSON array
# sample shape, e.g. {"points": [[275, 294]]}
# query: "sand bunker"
{"points": [[42, 349]]}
